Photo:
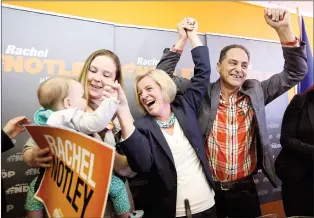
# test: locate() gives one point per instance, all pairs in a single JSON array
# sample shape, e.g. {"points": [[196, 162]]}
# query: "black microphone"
{"points": [[187, 208]]}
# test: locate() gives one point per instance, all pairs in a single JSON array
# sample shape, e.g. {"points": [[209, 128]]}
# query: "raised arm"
{"points": [[289, 128], [295, 66], [196, 89], [97, 120], [85, 122], [134, 141], [136, 146], [171, 57]]}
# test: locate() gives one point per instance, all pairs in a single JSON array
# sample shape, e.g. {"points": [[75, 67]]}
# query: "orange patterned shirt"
{"points": [[231, 144]]}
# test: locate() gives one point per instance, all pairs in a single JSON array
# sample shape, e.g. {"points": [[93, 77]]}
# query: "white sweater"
{"points": [[85, 122]]}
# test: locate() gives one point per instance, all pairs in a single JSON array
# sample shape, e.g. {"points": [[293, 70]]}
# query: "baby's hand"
{"points": [[110, 92]]}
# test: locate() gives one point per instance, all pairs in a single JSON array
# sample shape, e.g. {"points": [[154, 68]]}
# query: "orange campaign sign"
{"points": [[77, 183]]}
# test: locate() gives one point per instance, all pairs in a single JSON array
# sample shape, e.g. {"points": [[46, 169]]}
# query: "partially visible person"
{"points": [[294, 164], [232, 115], [167, 142], [11, 130], [100, 67]]}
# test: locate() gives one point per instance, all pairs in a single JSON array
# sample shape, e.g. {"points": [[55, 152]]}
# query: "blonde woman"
{"points": [[167, 143]]}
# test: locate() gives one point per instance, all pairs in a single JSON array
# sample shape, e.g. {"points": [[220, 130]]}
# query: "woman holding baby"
{"points": [[101, 67]]}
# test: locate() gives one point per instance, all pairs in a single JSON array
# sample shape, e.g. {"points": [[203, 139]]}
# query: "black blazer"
{"points": [[6, 144], [147, 149], [295, 160]]}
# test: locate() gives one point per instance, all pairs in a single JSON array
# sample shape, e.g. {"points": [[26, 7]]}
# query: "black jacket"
{"points": [[295, 160]]}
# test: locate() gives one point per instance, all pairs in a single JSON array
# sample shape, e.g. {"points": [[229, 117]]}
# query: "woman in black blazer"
{"points": [[294, 165], [167, 142]]}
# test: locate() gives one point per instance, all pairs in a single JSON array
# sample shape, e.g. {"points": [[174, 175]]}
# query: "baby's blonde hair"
{"points": [[53, 91]]}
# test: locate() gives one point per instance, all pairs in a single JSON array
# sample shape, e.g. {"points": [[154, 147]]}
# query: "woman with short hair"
{"points": [[167, 143]]}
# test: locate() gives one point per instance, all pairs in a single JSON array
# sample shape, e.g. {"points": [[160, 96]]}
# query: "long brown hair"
{"points": [[102, 52]]}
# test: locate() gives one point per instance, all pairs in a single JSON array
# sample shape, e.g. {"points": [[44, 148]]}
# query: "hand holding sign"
{"points": [[41, 157], [15, 126]]}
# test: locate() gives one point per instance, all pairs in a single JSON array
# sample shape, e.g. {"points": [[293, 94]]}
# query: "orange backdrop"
{"points": [[233, 18]]}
